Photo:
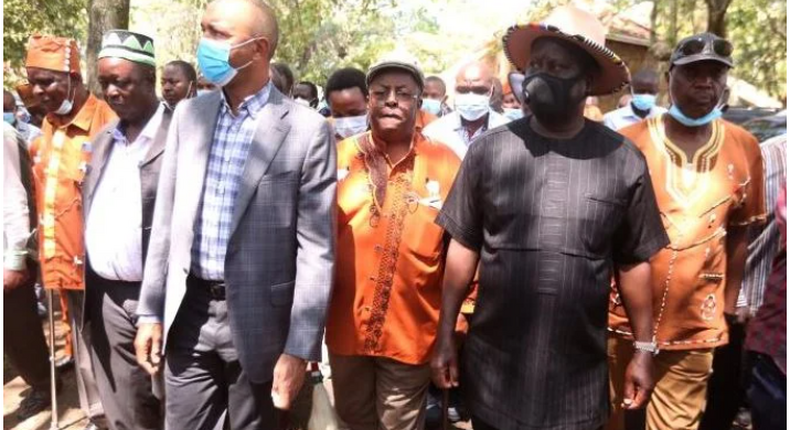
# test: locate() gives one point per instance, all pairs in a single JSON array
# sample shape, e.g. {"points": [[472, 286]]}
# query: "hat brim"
{"points": [[395, 65], [612, 76], [701, 57]]}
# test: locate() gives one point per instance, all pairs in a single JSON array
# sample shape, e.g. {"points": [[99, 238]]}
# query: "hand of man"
{"points": [[444, 363], [289, 374], [13, 279], [148, 347], [638, 381]]}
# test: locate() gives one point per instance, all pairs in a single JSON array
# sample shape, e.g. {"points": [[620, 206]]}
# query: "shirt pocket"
{"points": [[282, 294], [421, 233], [599, 218]]}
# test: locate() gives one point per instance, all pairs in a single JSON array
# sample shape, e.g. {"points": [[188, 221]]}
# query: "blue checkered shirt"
{"points": [[229, 150]]}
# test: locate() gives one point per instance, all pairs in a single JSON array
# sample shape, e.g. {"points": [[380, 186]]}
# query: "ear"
{"points": [[263, 47]]}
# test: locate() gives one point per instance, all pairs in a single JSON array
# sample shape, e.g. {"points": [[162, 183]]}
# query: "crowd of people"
{"points": [[513, 255]]}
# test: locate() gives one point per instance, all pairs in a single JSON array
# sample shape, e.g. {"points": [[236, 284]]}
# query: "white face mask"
{"points": [[67, 105], [349, 126], [472, 106], [302, 101]]}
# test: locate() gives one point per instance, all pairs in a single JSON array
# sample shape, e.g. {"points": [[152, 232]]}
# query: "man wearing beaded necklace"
{"points": [[708, 179]]}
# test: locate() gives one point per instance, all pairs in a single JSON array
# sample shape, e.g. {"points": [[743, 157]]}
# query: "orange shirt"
{"points": [[721, 187], [60, 161], [390, 256]]}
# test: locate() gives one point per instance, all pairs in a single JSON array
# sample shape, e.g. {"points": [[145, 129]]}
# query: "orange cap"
{"points": [[60, 54]]}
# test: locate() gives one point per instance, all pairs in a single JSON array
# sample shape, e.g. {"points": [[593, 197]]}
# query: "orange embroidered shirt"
{"points": [[390, 254], [60, 161], [721, 186]]}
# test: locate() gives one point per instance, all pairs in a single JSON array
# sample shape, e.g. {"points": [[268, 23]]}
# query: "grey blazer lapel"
{"points": [[269, 136], [160, 139], [102, 147], [197, 139]]}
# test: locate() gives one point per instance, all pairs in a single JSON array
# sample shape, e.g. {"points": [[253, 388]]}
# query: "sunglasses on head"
{"points": [[720, 47]]}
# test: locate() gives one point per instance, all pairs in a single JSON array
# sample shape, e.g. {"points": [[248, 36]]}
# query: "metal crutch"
{"points": [[53, 425]]}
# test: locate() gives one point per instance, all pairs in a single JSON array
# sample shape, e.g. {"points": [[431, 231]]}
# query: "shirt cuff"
{"points": [[148, 319], [15, 260]]}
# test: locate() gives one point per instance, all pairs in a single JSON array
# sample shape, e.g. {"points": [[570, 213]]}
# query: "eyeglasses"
{"points": [[720, 47], [380, 97]]}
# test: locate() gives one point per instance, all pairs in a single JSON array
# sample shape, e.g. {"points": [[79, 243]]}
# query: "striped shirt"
{"points": [[765, 240], [229, 150]]}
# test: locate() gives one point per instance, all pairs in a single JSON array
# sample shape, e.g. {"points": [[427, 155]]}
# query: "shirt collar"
{"points": [[84, 117], [252, 104], [148, 132]]}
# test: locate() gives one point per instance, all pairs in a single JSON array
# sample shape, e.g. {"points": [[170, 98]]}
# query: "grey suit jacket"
{"points": [[280, 256]]}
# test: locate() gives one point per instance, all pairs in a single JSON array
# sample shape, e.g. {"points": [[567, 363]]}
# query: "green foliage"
{"points": [[757, 29], [22, 18]]}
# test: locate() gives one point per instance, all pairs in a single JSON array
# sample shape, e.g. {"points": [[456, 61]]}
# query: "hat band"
{"points": [[128, 54]]}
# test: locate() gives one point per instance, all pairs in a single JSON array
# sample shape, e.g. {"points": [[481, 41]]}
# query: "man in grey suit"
{"points": [[241, 259], [119, 196]]}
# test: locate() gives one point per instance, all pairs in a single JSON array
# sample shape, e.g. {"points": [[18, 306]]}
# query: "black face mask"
{"points": [[549, 97]]}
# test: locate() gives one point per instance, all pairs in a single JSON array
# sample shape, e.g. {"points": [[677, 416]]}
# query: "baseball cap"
{"points": [[702, 47]]}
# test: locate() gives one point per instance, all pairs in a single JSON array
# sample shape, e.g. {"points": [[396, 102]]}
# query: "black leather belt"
{"points": [[216, 289]]}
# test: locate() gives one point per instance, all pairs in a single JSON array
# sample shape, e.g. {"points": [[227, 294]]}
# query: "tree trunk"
{"points": [[103, 15], [717, 16]]}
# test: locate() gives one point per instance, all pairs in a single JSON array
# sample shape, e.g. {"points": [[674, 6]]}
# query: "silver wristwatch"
{"points": [[650, 347]]}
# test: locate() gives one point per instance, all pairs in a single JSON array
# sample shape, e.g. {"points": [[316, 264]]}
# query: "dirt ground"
{"points": [[70, 417], [14, 390]]}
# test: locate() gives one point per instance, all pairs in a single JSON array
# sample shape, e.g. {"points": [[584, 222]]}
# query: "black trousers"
{"points": [[726, 388], [125, 388], [205, 386], [478, 424], [23, 336]]}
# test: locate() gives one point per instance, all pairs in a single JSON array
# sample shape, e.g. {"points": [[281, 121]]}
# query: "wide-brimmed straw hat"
{"points": [[580, 28]]}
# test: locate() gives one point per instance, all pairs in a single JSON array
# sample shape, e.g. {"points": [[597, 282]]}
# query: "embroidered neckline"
{"points": [[686, 181]]}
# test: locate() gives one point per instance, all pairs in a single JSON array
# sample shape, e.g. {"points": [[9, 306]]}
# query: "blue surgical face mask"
{"points": [[643, 102], [349, 126], [66, 105], [9, 117], [214, 60], [514, 114], [432, 106], [675, 112], [472, 106], [715, 113]]}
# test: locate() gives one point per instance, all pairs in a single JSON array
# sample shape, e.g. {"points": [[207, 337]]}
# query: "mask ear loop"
{"points": [[242, 44], [189, 90]]}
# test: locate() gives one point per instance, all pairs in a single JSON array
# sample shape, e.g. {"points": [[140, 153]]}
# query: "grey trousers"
{"points": [[90, 402], [125, 387], [23, 336], [205, 386]]}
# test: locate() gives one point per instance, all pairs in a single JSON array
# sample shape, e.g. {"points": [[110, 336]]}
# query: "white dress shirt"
{"points": [[16, 221], [450, 130], [625, 116], [113, 234]]}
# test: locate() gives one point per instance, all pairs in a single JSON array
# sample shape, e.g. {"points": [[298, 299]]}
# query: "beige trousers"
{"points": [[374, 393], [681, 380]]}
